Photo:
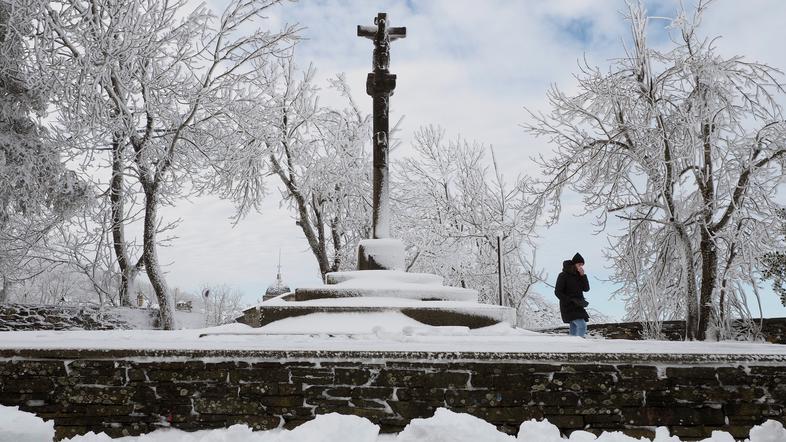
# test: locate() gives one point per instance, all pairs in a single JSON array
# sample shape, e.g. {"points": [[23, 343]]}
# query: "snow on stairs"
{"points": [[419, 296], [385, 284]]}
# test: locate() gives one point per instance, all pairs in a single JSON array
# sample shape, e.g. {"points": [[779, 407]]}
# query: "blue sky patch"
{"points": [[577, 29]]}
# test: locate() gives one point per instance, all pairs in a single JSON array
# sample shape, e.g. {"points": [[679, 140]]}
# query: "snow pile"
{"points": [[331, 427], [770, 431], [534, 431], [444, 426], [16, 425], [342, 323], [447, 426]]}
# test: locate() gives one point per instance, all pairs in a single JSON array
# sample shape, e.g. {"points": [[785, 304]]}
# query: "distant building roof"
{"points": [[278, 288]]}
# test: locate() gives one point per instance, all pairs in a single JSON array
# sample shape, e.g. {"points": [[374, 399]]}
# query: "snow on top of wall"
{"points": [[402, 338]]}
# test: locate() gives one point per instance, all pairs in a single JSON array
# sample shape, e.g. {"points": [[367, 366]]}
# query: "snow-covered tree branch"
{"points": [[153, 83], [317, 153], [450, 204], [687, 148], [37, 192]]}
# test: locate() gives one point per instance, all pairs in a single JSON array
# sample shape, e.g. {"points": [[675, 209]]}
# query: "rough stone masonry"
{"points": [[131, 392]]}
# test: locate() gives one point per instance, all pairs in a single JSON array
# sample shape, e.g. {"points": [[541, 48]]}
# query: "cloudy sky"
{"points": [[471, 67]]}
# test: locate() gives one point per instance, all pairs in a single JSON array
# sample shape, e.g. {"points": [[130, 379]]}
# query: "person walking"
{"points": [[570, 288]]}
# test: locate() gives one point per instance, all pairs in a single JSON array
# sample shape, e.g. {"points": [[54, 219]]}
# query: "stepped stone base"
{"points": [[398, 276], [422, 293], [419, 296]]}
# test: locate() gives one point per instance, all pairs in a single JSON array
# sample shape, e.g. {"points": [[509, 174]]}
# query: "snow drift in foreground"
{"points": [[20, 426], [444, 426]]}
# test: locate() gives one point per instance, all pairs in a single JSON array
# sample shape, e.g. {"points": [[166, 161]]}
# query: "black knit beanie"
{"points": [[578, 259]]}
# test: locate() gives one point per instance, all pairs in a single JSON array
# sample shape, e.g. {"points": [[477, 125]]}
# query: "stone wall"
{"points": [[52, 317], [773, 330], [132, 392]]}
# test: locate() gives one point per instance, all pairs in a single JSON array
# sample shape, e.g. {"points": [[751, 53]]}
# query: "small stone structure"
{"points": [[137, 391]]}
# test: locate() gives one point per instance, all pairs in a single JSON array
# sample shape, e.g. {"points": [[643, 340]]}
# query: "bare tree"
{"points": [[317, 152], [160, 87], [37, 192], [450, 206], [687, 148], [221, 304]]}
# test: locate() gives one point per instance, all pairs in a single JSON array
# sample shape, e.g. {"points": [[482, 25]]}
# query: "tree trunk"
{"points": [[166, 305], [319, 226], [4, 290], [116, 197], [709, 269], [303, 220], [692, 310], [709, 253]]}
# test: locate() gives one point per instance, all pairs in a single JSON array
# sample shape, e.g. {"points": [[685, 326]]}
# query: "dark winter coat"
{"points": [[570, 290]]}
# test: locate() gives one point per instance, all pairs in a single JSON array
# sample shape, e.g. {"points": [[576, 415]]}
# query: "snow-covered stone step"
{"points": [[430, 313], [386, 276], [360, 288]]}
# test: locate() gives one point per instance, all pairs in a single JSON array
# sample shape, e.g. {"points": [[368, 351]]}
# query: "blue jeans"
{"points": [[578, 327]]}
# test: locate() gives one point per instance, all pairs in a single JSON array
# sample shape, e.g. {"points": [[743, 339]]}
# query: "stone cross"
{"points": [[380, 85]]}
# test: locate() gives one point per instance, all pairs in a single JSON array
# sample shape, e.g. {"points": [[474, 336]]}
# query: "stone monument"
{"points": [[379, 252], [380, 284]]}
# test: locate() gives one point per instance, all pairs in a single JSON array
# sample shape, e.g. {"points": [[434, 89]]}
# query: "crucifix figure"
{"points": [[380, 85]]}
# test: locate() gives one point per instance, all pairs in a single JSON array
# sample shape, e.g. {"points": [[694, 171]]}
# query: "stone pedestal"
{"points": [[381, 254]]}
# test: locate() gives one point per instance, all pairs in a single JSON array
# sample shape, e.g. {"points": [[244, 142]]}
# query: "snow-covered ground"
{"points": [[384, 331], [444, 426]]}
